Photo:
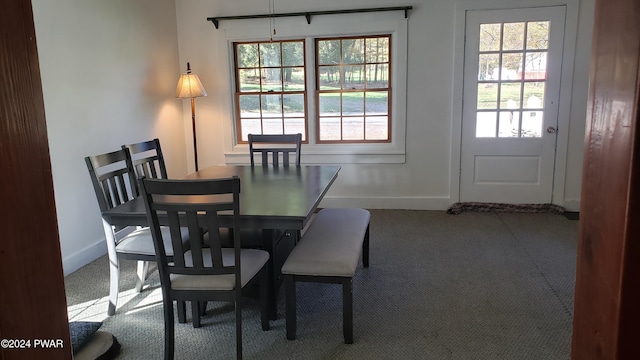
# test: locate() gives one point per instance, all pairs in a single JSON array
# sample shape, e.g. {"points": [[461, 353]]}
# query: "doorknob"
{"points": [[551, 130]]}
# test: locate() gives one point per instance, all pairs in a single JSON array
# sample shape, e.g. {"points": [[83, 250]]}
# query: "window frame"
{"points": [[364, 90], [238, 93]]}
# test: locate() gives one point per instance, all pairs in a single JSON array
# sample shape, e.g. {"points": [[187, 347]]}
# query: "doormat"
{"points": [[459, 208]]}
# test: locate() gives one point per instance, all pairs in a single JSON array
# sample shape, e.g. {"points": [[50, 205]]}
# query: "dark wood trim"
{"points": [[32, 292], [607, 295]]}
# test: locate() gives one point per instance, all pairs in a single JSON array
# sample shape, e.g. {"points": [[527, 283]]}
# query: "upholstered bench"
{"points": [[328, 253]]}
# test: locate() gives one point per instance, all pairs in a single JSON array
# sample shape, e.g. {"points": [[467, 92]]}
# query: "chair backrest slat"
{"points": [[276, 146], [194, 204], [147, 160], [113, 181]]}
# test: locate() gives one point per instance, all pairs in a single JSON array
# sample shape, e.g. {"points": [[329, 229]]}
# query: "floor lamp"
{"points": [[190, 87]]}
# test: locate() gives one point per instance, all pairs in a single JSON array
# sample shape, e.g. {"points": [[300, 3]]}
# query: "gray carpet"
{"points": [[468, 286]]}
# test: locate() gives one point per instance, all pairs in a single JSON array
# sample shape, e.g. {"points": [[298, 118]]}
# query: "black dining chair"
{"points": [[114, 183], [147, 159], [198, 273], [275, 146]]}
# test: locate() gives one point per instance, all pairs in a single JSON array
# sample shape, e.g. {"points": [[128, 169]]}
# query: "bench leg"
{"points": [[347, 310], [290, 300], [365, 249]]}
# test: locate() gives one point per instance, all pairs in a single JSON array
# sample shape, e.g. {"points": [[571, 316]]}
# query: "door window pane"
{"points": [[538, 35], [509, 124], [510, 95], [535, 66], [511, 66], [487, 63], [486, 124], [513, 36], [533, 94], [490, 37], [532, 123], [487, 96]]}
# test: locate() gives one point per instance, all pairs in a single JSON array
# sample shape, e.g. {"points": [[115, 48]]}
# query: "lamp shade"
{"points": [[189, 86]]}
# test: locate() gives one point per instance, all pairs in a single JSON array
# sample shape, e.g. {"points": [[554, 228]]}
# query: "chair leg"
{"points": [[114, 267], [238, 306], [182, 311], [114, 278], [290, 303], [195, 313], [347, 310], [143, 267], [365, 249], [168, 328], [264, 299]]}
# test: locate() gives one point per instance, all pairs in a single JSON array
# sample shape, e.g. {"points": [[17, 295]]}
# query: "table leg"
{"points": [[268, 242]]}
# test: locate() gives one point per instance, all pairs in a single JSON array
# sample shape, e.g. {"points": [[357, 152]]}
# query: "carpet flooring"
{"points": [[439, 286]]}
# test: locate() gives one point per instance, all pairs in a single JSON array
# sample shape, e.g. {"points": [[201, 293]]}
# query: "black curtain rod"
{"points": [[308, 14]]}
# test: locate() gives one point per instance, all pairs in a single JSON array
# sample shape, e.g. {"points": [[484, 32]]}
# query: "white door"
{"points": [[512, 71]]}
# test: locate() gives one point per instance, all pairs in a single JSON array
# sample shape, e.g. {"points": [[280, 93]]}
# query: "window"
{"points": [[271, 92], [512, 77], [353, 93], [352, 79], [363, 92]]}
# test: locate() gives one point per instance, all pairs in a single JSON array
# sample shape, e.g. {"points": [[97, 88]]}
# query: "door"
{"points": [[512, 72]]}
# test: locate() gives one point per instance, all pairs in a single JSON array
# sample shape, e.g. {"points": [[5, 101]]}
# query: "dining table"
{"points": [[278, 201]]}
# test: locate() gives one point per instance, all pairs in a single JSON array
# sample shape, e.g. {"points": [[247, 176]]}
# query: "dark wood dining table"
{"points": [[279, 201]]}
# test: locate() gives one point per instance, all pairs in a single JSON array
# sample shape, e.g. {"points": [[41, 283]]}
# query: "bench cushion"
{"points": [[332, 244]]}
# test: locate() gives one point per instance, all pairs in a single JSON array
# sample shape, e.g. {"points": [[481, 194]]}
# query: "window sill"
{"points": [[319, 154]]}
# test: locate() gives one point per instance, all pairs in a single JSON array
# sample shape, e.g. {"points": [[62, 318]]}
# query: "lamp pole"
{"points": [[190, 87], [193, 126]]}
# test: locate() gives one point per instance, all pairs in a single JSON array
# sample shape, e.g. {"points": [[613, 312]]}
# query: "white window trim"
{"points": [[329, 26]]}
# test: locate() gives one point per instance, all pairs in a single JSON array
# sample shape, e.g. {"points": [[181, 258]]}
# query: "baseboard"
{"points": [[387, 202], [81, 258], [571, 205], [409, 202]]}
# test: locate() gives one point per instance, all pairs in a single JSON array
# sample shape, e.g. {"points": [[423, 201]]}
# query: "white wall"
{"points": [[109, 70], [424, 181]]}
